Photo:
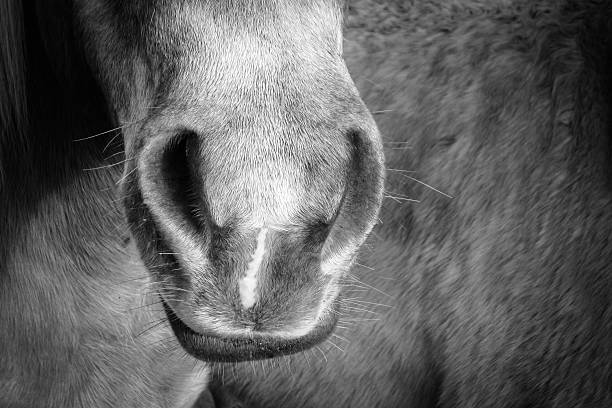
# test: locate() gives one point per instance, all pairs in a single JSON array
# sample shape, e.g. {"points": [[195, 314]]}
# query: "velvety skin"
{"points": [[229, 121], [499, 296]]}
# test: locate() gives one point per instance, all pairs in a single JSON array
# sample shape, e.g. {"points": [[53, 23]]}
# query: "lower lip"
{"points": [[235, 349]]}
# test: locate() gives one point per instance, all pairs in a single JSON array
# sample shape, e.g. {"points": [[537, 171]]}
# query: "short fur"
{"points": [[141, 144], [501, 295], [74, 297], [12, 69]]}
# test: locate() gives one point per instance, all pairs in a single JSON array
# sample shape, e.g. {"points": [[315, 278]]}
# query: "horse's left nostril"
{"points": [[361, 201]]}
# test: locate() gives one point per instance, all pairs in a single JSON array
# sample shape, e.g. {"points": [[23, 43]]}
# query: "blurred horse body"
{"points": [[495, 288]]}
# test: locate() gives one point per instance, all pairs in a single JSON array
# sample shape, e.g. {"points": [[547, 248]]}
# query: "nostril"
{"points": [[361, 200], [180, 181]]}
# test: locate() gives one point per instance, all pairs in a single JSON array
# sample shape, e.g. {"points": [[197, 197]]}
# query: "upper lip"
{"points": [[222, 348]]}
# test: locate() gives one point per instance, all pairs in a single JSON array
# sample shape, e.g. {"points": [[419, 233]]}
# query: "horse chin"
{"points": [[255, 346]]}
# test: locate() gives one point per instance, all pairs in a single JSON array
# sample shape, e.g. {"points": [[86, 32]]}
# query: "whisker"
{"points": [[153, 326], [396, 142], [369, 286], [107, 166], [335, 345], [98, 134], [108, 131], [116, 128], [125, 176], [401, 170], [358, 302], [322, 353], [340, 337], [400, 197], [110, 142], [425, 184], [364, 266], [359, 309], [114, 154], [361, 320]]}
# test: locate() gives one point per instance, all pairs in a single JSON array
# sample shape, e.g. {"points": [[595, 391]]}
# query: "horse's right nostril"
{"points": [[179, 183]]}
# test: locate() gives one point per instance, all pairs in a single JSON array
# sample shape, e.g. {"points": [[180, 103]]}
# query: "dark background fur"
{"points": [[500, 296]]}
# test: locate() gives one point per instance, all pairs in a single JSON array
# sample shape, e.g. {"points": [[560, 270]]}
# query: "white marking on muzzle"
{"points": [[248, 284]]}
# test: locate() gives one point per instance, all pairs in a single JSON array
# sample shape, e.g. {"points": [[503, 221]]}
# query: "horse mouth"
{"points": [[214, 348]]}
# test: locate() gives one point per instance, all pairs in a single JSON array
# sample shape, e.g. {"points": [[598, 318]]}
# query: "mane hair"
{"points": [[13, 112]]}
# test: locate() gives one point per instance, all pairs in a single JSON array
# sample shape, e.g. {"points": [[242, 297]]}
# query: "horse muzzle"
{"points": [[256, 276]]}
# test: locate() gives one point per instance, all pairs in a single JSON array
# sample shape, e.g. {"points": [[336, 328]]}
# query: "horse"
{"points": [[181, 183], [487, 282]]}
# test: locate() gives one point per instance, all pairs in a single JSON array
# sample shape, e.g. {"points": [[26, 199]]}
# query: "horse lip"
{"points": [[257, 347]]}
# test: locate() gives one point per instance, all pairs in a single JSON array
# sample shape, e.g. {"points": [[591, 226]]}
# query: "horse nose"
{"points": [[238, 265]]}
